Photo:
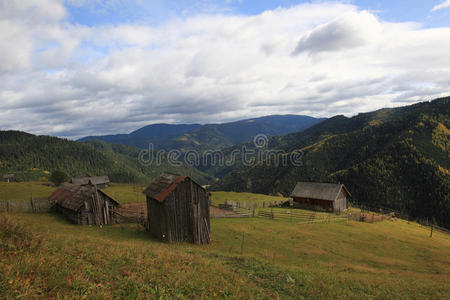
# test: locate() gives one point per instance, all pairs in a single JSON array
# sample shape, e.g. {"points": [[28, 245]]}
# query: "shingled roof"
{"points": [[315, 190], [161, 187], [72, 196]]}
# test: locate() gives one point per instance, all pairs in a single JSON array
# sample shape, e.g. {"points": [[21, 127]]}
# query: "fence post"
{"points": [[32, 203], [8, 206]]}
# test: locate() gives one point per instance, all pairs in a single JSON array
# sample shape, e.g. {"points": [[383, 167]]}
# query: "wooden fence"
{"points": [[33, 205], [251, 205], [243, 212], [389, 212], [300, 216], [368, 217]]}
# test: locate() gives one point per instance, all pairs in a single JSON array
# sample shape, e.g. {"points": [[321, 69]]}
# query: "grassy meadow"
{"points": [[22, 191], [277, 259], [126, 193], [221, 197], [45, 256]]}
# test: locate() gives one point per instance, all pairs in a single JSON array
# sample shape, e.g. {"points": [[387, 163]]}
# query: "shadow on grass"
{"points": [[122, 232]]}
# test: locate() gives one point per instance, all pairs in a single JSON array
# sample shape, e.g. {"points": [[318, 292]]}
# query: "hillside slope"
{"points": [[278, 260], [21, 152], [396, 158]]}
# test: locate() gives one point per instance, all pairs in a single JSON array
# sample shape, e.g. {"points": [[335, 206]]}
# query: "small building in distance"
{"points": [[100, 181], [328, 197], [8, 178], [84, 205], [178, 210]]}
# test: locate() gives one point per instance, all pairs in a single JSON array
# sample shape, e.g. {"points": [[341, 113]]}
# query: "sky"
{"points": [[92, 67]]}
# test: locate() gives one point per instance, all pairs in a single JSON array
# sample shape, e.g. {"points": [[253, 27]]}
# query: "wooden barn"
{"points": [[328, 197], [178, 210], [84, 205], [100, 181], [8, 178]]}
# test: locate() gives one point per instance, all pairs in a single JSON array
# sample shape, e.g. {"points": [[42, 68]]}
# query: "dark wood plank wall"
{"points": [[322, 205], [178, 218], [313, 204], [85, 215]]}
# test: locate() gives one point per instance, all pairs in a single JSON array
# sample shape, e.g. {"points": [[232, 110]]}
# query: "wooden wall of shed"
{"points": [[71, 215], [341, 202], [111, 207], [173, 220], [85, 215], [313, 204]]}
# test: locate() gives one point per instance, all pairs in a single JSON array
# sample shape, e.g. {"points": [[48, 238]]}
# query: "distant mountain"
{"points": [[397, 158], [209, 136], [21, 153], [156, 134]]}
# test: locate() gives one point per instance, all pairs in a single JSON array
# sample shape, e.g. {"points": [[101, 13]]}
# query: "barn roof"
{"points": [[94, 180], [72, 196], [316, 190], [165, 184]]}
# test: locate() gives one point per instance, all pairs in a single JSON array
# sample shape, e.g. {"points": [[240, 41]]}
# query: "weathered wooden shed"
{"points": [[178, 210], [328, 197], [8, 178], [100, 181], [84, 205]]}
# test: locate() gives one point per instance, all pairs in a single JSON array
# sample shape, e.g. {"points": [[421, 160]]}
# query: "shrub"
{"points": [[58, 177]]}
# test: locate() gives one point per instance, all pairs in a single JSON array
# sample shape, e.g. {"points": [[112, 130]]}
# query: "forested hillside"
{"points": [[156, 134], [397, 158], [21, 153], [209, 136]]}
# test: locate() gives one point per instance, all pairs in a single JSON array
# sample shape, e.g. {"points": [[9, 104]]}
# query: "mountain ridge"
{"points": [[208, 136]]}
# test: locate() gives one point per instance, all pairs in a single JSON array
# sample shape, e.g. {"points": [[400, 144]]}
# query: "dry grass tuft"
{"points": [[16, 238]]}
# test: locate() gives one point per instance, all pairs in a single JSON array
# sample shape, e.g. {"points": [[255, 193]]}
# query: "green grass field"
{"points": [[387, 260], [126, 193], [22, 191], [249, 258], [221, 197]]}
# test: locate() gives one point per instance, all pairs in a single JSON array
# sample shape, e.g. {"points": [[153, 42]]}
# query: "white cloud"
{"points": [[72, 80], [347, 31], [443, 5]]}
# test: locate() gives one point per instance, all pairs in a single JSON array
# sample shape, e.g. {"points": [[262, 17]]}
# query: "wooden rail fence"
{"points": [[34, 205], [300, 217], [262, 204]]}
